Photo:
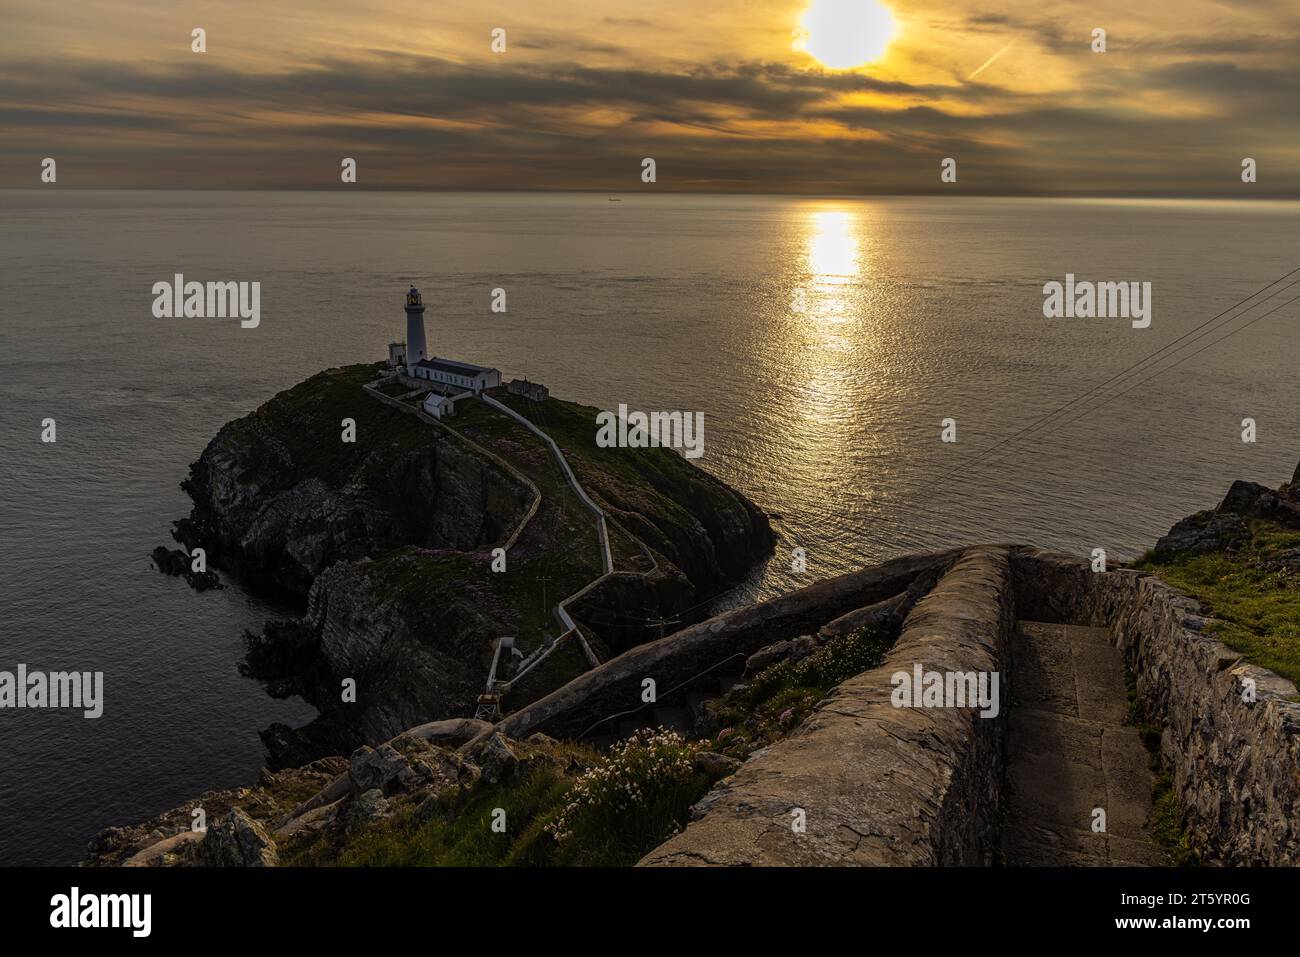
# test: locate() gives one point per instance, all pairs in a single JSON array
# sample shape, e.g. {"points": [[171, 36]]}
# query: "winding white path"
{"points": [[602, 529]]}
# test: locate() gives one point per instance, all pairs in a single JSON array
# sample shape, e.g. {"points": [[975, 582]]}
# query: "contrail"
{"points": [[989, 62]]}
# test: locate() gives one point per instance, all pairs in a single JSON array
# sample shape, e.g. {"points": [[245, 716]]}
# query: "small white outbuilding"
{"points": [[439, 405]]}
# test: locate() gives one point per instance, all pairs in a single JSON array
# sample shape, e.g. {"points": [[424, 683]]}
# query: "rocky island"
{"points": [[388, 541], [1160, 693]]}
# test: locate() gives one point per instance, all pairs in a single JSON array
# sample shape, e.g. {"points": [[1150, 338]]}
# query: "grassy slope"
{"points": [[455, 828], [307, 423], [559, 552], [665, 489], [1257, 604], [614, 808]]}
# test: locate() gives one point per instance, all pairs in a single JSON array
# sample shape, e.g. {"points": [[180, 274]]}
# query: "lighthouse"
{"points": [[415, 349], [449, 378]]}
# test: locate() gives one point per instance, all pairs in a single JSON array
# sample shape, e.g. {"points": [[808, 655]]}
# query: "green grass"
{"points": [[559, 552], [633, 800], [307, 424], [654, 492], [456, 831], [781, 696], [573, 427], [1256, 603], [1167, 823], [568, 808]]}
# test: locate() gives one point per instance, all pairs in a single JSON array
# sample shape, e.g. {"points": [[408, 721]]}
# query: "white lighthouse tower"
{"points": [[415, 348]]}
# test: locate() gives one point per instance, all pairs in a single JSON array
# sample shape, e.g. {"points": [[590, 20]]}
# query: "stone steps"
{"points": [[1069, 753]]}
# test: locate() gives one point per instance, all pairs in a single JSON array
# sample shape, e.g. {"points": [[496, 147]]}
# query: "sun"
{"points": [[842, 34]]}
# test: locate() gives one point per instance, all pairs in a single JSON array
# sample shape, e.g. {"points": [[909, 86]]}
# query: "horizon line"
{"points": [[901, 194]]}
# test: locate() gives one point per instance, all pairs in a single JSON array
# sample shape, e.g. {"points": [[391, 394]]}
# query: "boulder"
{"points": [[767, 656], [888, 613], [803, 646], [493, 756], [172, 562], [176, 562], [715, 766], [382, 768], [794, 649], [1252, 500], [366, 807], [238, 841], [407, 763], [1204, 532]]}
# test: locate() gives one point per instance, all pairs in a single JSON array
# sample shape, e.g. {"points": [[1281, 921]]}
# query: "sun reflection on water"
{"points": [[833, 252], [827, 307]]}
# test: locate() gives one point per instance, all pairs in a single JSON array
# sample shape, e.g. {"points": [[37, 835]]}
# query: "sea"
{"points": [[832, 344]]}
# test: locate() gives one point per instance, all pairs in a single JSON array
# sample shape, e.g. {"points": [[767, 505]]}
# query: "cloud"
{"points": [[430, 121]]}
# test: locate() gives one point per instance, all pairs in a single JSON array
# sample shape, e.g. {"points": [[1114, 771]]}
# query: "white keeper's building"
{"points": [[462, 375], [446, 372]]}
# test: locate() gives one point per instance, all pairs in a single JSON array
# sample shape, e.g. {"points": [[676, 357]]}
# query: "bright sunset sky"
{"points": [[712, 89]]}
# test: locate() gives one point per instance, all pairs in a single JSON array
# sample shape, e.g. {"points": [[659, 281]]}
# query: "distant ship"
{"points": [[615, 199]]}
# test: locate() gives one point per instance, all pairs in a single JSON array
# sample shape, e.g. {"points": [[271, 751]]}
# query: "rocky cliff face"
{"points": [[278, 497], [388, 538], [1227, 525]]}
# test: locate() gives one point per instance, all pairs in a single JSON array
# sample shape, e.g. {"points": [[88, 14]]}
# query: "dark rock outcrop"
{"points": [[177, 563], [493, 756], [271, 504], [1227, 526], [1204, 532], [715, 766], [1252, 500], [238, 841]]}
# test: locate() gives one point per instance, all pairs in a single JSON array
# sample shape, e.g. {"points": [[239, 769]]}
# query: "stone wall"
{"points": [[726, 639], [879, 784], [1235, 764]]}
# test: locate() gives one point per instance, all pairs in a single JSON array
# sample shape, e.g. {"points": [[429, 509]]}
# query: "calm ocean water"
{"points": [[824, 340]]}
